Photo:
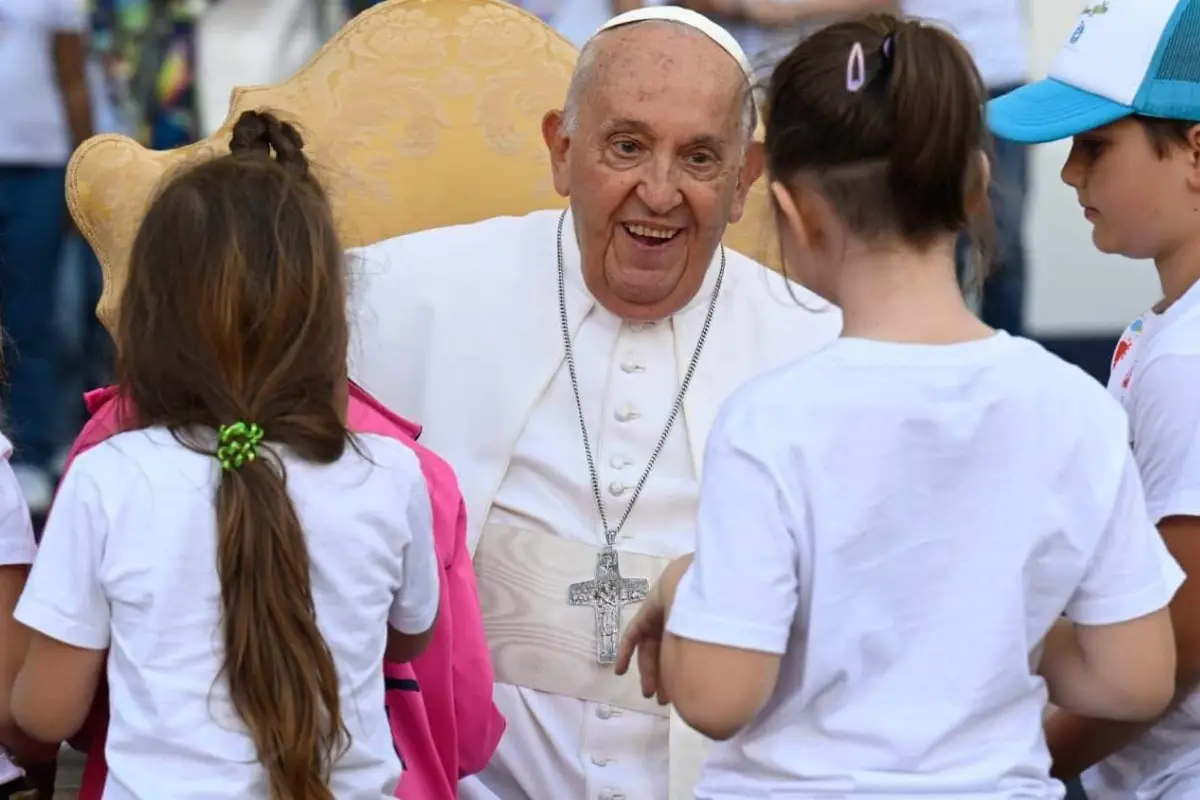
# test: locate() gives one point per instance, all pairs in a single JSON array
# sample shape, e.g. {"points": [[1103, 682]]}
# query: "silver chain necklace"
{"points": [[610, 534], [609, 590]]}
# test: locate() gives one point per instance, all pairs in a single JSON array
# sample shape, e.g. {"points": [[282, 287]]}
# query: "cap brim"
{"points": [[1050, 110]]}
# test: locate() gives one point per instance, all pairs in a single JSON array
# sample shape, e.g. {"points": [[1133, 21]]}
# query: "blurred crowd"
{"points": [[73, 68]]}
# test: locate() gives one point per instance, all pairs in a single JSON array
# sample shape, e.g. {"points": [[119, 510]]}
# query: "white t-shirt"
{"points": [[17, 542], [17, 546], [904, 524], [1156, 376], [33, 127], [128, 563]]}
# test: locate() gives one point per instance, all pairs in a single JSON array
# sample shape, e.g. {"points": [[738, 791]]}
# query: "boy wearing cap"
{"points": [[1126, 88]]}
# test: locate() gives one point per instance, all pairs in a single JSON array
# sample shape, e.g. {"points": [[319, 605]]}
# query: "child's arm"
{"points": [[1165, 419], [1077, 742], [730, 611], [416, 605], [67, 611], [14, 644], [18, 548], [55, 688]]}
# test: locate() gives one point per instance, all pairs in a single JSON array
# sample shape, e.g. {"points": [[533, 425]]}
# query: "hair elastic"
{"points": [[237, 444], [889, 43], [856, 68]]}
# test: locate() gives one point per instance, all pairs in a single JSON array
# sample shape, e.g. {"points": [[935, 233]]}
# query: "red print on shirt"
{"points": [[1122, 349]]}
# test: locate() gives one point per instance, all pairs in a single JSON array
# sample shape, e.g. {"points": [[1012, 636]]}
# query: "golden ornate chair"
{"points": [[417, 114]]}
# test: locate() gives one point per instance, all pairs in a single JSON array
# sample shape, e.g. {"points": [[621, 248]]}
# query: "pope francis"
{"points": [[568, 365]]}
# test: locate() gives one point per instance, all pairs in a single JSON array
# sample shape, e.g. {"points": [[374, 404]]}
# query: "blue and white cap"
{"points": [[1124, 57]]}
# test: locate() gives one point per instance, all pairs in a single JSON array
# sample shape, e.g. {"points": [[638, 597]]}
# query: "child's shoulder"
{"points": [[145, 452], [386, 453], [1179, 333]]}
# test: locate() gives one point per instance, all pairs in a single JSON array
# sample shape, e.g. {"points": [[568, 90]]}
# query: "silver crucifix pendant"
{"points": [[606, 593]]}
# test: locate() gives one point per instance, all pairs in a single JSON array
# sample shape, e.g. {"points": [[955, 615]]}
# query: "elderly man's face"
{"points": [[656, 167]]}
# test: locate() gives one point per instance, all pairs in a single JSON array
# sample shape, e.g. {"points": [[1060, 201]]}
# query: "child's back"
{"points": [[245, 568], [947, 503], [889, 531], [142, 513]]}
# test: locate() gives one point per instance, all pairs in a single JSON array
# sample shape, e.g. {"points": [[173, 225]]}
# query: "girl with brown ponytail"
{"points": [[246, 562]]}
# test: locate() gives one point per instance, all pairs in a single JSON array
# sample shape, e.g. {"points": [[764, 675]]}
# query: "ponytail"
{"points": [[280, 671], [935, 97], [235, 308], [886, 117]]}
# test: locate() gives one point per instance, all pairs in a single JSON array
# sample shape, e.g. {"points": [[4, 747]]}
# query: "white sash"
{"points": [[538, 641]]}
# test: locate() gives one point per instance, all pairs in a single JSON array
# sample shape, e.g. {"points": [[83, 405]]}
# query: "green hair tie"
{"points": [[237, 444]]}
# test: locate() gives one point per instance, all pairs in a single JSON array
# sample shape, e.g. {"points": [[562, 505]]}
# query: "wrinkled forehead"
{"points": [[669, 77]]}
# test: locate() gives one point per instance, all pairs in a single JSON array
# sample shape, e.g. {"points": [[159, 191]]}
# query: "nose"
{"points": [[1073, 172], [659, 187]]}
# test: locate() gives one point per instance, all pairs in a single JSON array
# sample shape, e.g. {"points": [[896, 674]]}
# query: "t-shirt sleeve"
{"points": [[17, 542], [742, 587], [1131, 572], [1165, 419], [415, 605], [64, 598]]}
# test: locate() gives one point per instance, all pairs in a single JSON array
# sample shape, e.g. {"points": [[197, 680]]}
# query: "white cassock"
{"points": [[459, 329]]}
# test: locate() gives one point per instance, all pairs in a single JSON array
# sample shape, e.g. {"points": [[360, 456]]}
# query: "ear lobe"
{"points": [[789, 217], [977, 198], [751, 169], [557, 144]]}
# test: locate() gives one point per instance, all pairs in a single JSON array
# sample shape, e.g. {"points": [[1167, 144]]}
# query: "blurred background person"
{"points": [[45, 113]]}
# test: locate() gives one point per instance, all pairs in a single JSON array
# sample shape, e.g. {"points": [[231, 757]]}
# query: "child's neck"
{"points": [[1178, 271]]}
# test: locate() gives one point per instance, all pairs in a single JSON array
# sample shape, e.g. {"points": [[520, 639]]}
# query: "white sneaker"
{"points": [[36, 486]]}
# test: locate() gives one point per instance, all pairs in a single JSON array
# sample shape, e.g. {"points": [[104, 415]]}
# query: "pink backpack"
{"points": [[444, 722]]}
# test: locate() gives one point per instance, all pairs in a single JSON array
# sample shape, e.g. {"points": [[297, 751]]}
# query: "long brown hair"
{"points": [[235, 309], [899, 155]]}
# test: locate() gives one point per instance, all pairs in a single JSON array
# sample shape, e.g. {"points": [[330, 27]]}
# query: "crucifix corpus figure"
{"points": [[606, 594]]}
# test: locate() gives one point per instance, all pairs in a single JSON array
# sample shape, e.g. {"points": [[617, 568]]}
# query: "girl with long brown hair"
{"points": [[245, 560]]}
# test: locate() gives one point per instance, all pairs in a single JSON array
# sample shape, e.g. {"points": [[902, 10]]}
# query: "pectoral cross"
{"points": [[606, 593]]}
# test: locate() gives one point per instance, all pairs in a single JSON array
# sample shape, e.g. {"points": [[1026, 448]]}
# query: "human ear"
{"points": [[794, 242], [557, 141], [750, 170], [976, 197], [1193, 152]]}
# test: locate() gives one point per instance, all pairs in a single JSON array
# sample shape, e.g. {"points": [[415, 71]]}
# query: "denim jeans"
{"points": [[1002, 303], [32, 215]]}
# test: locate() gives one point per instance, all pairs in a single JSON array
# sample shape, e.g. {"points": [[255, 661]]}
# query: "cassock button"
{"points": [[632, 366], [601, 762], [616, 488], [626, 412], [619, 462], [604, 712]]}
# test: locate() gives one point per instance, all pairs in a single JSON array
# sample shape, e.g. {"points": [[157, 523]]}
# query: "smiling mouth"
{"points": [[651, 236]]}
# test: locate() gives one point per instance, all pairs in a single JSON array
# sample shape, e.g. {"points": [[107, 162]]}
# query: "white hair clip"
{"points": [[856, 69]]}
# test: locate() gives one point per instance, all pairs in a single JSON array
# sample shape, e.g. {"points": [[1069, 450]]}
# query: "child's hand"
{"points": [[644, 635]]}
